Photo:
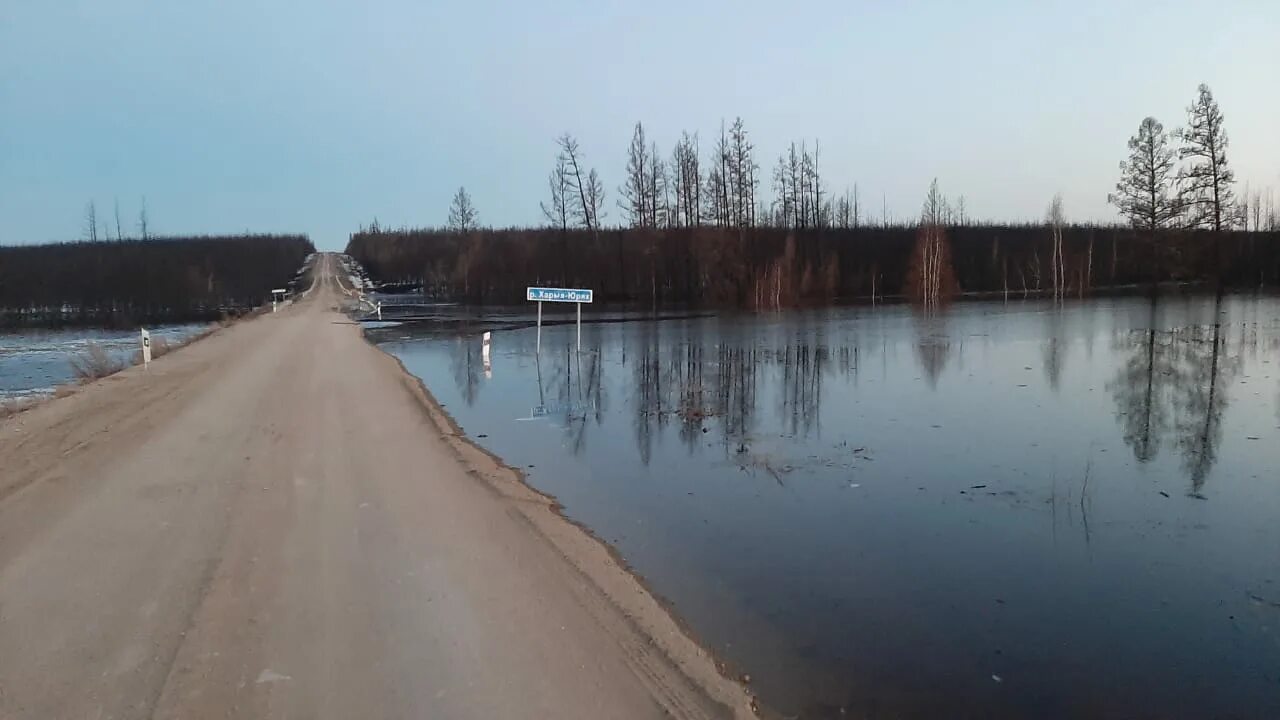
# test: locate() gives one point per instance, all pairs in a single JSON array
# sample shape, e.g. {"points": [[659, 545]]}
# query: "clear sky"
{"points": [[316, 116]]}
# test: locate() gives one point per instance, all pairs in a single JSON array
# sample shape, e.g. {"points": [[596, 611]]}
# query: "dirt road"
{"points": [[276, 522]]}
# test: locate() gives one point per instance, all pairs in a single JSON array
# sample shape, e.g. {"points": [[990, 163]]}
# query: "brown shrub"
{"points": [[94, 362]]}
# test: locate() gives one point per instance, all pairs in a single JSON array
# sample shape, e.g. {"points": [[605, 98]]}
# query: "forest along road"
{"points": [[276, 522]]}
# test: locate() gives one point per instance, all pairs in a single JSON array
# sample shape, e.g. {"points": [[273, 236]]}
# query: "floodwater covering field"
{"points": [[34, 362], [995, 511]]}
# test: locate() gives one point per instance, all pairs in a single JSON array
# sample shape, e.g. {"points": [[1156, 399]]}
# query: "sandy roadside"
{"points": [[279, 521]]}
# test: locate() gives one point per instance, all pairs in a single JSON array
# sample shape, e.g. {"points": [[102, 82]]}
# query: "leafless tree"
{"points": [[656, 188], [1145, 194], [842, 213], [1055, 218], [557, 209], [581, 184], [594, 194], [931, 251], [742, 179], [686, 179], [142, 220], [462, 214], [119, 235], [634, 194], [91, 222], [1207, 179]]}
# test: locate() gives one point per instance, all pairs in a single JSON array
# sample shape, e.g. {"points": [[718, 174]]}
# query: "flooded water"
{"points": [[995, 512], [34, 362]]}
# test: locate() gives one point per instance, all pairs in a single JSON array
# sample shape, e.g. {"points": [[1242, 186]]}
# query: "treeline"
{"points": [[701, 230], [763, 267], [157, 280]]}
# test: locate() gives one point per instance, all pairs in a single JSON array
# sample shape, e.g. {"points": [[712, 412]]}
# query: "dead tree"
{"points": [[742, 176], [1055, 218], [557, 209], [142, 220], [657, 188], [580, 185], [634, 198], [91, 222], [462, 214]]}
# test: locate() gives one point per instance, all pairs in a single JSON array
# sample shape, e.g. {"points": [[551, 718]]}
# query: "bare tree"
{"points": [[119, 235], [1055, 218], [462, 214], [1145, 195], [634, 193], [1207, 179], [842, 213], [594, 194], [815, 179], [686, 180], [742, 181], [142, 220], [931, 257], [91, 222], [657, 188], [584, 211], [557, 210]]}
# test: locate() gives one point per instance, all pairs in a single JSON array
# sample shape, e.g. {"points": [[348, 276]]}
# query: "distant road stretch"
{"points": [[274, 522]]}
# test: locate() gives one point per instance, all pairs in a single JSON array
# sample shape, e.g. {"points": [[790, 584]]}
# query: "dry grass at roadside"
{"points": [[94, 363]]}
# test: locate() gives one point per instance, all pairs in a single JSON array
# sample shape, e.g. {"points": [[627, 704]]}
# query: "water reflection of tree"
{"points": [[464, 362], [1052, 351], [1205, 372], [933, 345], [1173, 385], [802, 367]]}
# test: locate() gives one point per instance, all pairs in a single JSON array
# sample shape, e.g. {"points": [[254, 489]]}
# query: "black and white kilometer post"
{"points": [[560, 295], [146, 349]]}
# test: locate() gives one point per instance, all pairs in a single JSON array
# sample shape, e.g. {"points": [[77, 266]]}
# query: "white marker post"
{"points": [[564, 295], [277, 296], [146, 348]]}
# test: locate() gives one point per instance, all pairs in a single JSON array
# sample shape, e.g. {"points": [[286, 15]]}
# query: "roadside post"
{"points": [[562, 295], [146, 349], [277, 296]]}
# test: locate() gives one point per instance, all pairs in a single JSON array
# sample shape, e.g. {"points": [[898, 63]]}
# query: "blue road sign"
{"points": [[565, 295]]}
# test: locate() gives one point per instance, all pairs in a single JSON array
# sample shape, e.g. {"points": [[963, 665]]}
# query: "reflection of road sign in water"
{"points": [[146, 347], [566, 295], [563, 295], [484, 353]]}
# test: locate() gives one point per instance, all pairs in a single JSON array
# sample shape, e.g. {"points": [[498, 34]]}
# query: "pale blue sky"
{"points": [[316, 116]]}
